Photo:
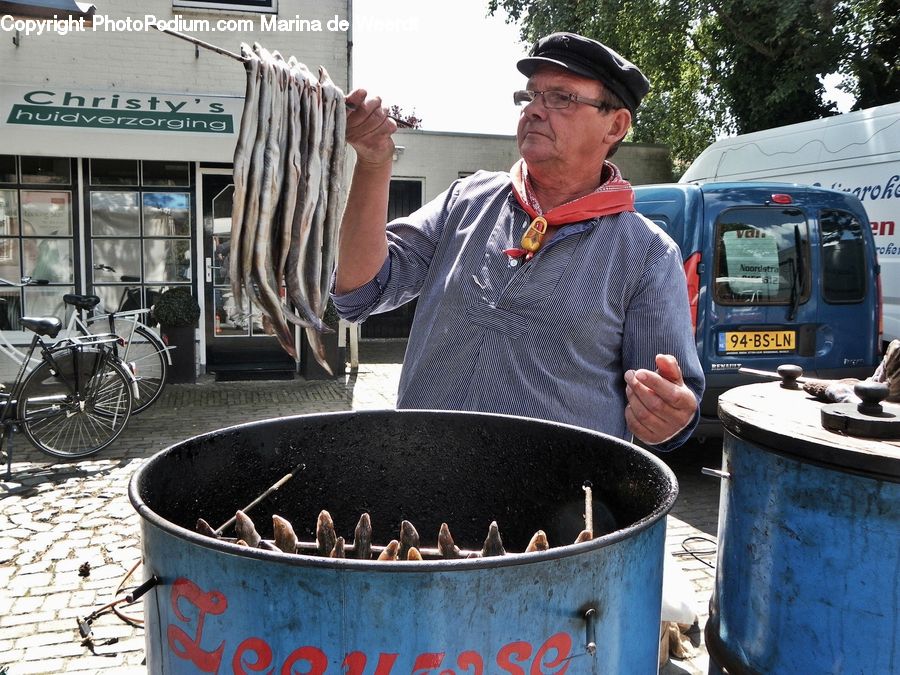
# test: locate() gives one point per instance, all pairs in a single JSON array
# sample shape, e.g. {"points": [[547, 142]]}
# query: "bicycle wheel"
{"points": [[144, 352], [69, 414]]}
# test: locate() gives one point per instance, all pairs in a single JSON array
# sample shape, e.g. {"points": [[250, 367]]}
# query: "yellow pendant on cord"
{"points": [[534, 235]]}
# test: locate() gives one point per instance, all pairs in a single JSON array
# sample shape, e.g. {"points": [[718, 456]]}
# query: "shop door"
{"points": [[236, 341]]}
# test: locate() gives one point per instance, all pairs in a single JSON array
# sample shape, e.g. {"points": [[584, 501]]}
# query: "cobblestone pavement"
{"points": [[58, 518]]}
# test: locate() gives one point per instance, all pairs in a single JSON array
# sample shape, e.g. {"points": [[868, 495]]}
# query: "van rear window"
{"points": [[761, 257], [843, 257]]}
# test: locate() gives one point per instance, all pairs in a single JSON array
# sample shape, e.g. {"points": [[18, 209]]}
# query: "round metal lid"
{"points": [[790, 422]]}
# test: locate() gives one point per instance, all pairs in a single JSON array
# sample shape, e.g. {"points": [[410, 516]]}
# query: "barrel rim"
{"points": [[350, 564], [808, 451]]}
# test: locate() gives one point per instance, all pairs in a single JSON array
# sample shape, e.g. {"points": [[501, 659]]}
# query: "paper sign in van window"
{"points": [[751, 263]]}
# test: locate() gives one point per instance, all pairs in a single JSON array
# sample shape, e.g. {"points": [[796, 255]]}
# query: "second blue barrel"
{"points": [[808, 572]]}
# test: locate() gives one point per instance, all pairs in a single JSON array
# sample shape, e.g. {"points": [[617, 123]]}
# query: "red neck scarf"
{"points": [[613, 196]]}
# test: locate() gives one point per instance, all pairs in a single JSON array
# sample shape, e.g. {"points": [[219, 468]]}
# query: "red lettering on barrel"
{"points": [[522, 650], [425, 663], [355, 663], [315, 658], [260, 649], [561, 644], [183, 645], [471, 660]]}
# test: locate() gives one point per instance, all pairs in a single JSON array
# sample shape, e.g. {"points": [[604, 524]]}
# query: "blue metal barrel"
{"points": [[809, 543], [592, 607]]}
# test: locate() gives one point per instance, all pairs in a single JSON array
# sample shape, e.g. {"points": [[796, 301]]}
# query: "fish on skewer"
{"points": [[390, 551], [245, 529], [204, 528], [413, 554], [285, 537], [409, 538], [446, 545], [338, 550], [325, 534], [583, 536], [538, 542], [493, 545], [362, 537]]}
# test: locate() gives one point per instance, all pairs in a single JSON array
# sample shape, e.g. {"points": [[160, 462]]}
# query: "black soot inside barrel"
{"points": [[423, 466]]}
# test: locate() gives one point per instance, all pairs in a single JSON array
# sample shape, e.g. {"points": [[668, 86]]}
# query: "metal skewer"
{"points": [[281, 481], [238, 57]]}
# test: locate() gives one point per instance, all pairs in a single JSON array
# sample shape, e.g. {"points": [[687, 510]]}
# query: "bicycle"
{"points": [[75, 402], [141, 347]]}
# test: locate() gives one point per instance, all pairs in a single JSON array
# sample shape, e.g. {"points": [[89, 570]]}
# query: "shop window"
{"points": [[8, 169], [36, 237], [167, 214], [114, 172], [268, 6], [46, 170], [115, 214], [166, 174], [141, 238]]}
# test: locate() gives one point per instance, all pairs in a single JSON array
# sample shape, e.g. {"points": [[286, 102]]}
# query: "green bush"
{"points": [[177, 308]]}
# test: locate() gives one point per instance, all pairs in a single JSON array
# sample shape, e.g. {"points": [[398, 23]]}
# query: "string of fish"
{"points": [[406, 547], [289, 195]]}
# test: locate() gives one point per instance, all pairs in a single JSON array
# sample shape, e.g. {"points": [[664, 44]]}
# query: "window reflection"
{"points": [[167, 260], [46, 213], [123, 255], [167, 214], [49, 259], [115, 214]]}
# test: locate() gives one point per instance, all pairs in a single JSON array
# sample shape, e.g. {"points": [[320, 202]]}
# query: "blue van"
{"points": [[777, 273]]}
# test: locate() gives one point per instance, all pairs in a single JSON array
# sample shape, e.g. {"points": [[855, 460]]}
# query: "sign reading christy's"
{"points": [[60, 120], [134, 111]]}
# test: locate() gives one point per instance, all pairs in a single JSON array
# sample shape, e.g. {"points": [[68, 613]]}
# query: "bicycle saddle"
{"points": [[47, 325], [81, 301]]}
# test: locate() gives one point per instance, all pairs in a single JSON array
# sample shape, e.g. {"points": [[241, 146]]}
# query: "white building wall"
{"points": [[147, 60]]}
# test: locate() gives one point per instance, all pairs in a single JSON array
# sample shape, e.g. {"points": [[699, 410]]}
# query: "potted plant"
{"points": [[334, 355], [177, 313]]}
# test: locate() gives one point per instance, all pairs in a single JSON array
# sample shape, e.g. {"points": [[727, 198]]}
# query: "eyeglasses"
{"points": [[555, 100]]}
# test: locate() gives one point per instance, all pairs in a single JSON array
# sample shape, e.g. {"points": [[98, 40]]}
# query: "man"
{"points": [[541, 292]]}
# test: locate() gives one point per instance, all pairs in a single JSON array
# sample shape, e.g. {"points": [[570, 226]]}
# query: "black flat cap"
{"points": [[592, 59]]}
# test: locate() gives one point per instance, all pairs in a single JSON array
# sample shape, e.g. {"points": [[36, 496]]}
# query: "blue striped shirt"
{"points": [[547, 339]]}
